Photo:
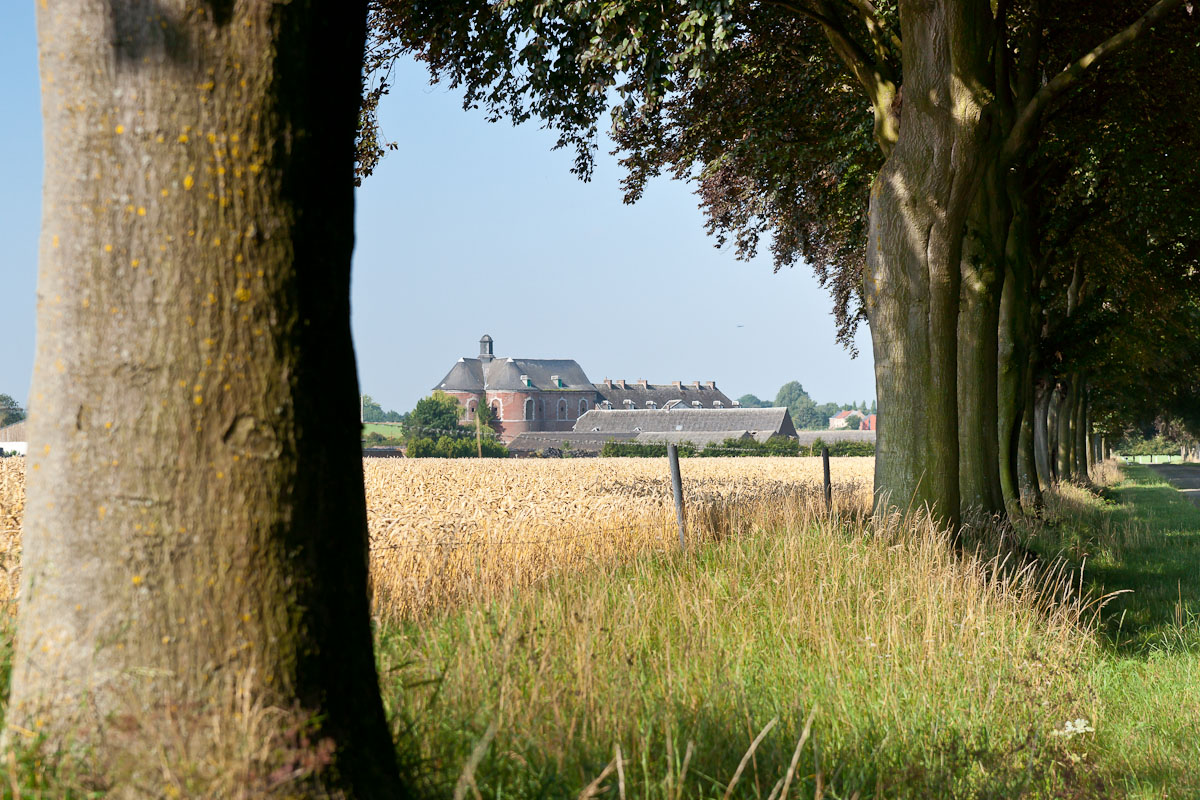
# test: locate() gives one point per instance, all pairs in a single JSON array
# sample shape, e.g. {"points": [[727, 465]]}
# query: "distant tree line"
{"points": [[10, 411], [807, 414]]}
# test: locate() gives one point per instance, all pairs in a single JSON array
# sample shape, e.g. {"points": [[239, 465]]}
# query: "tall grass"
{"points": [[925, 672]]}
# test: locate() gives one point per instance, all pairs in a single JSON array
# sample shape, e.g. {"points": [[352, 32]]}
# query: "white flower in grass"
{"points": [[1074, 727]]}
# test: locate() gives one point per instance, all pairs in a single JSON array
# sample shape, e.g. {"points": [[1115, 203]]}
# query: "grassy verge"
{"points": [[1143, 542], [923, 674], [863, 665]]}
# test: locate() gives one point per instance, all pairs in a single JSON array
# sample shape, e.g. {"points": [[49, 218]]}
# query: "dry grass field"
{"points": [[445, 531]]}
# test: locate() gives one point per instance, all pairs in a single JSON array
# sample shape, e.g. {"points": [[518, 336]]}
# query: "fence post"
{"points": [[677, 486], [828, 484]]}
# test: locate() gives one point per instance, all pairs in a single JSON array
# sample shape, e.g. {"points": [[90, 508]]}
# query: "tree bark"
{"points": [[1080, 427], [919, 202], [1042, 448], [1066, 436], [195, 551], [980, 482]]}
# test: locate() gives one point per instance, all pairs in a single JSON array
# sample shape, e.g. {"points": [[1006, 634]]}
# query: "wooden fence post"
{"points": [[677, 486], [828, 484]]}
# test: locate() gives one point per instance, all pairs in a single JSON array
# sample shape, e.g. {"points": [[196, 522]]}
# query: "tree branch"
{"points": [[1028, 120], [880, 34]]}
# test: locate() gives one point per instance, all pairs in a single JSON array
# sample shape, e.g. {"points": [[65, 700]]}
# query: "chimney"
{"points": [[678, 385], [643, 383], [485, 348], [696, 385], [621, 383], [608, 383], [710, 385]]}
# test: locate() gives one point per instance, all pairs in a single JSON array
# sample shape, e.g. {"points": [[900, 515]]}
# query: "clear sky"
{"points": [[473, 228]]}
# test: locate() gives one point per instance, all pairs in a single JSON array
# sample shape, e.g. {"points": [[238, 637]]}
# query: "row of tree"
{"points": [[1011, 220]]}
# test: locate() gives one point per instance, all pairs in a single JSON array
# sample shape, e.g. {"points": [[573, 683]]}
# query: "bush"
{"points": [[454, 447]]}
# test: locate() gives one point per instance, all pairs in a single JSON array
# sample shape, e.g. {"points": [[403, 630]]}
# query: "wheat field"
{"points": [[444, 531]]}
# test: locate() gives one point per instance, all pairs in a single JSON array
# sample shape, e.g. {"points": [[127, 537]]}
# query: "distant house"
{"points": [[700, 426], [550, 395], [870, 423], [842, 419]]}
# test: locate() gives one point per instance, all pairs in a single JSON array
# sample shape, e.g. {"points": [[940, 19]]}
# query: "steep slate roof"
{"points": [[755, 420], [660, 393], [504, 374]]}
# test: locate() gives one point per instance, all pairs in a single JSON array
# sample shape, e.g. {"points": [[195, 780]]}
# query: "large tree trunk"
{"points": [[1065, 418], [1042, 403], [195, 562], [1080, 428], [1019, 313], [918, 205], [980, 485]]}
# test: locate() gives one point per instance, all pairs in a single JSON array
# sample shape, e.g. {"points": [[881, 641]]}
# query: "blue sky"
{"points": [[472, 228]]}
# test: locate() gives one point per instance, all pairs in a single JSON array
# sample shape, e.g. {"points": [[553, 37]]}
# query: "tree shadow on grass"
{"points": [[1144, 544]]}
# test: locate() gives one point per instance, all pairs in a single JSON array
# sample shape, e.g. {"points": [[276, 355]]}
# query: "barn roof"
{"points": [[755, 420], [700, 439], [13, 433], [532, 441]]}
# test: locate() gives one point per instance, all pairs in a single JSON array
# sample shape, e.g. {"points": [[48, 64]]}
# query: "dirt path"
{"points": [[1184, 477]]}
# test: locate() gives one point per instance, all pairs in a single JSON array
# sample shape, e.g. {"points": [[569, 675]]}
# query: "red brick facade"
{"points": [[515, 412]]}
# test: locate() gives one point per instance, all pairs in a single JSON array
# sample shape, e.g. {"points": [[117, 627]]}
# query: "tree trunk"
{"points": [[194, 588], [1066, 439], [1042, 429], [1080, 428], [918, 205], [980, 484]]}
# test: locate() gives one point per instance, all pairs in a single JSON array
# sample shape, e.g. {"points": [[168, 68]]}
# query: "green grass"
{"points": [[384, 429], [1145, 543], [926, 674]]}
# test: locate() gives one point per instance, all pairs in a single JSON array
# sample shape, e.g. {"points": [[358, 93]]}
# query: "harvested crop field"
{"points": [[443, 531]]}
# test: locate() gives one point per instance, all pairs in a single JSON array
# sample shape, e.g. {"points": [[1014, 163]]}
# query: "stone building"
{"points": [[537, 395]]}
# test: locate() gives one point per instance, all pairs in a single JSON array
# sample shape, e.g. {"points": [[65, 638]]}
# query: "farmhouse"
{"points": [[550, 395]]}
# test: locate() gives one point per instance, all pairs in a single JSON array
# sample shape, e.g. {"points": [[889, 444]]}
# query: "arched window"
{"points": [[562, 409], [497, 410], [471, 404], [582, 407], [529, 406]]}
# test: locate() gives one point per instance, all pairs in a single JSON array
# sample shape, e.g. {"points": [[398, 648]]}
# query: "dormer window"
{"points": [[697, 404], [629, 404], [651, 404], [718, 404], [557, 381]]}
